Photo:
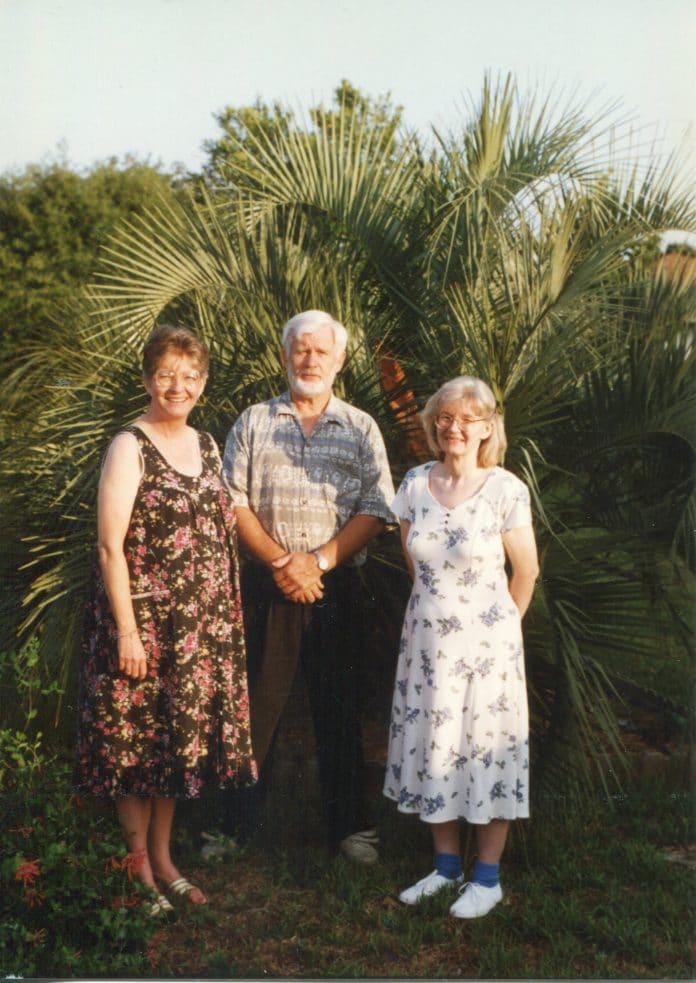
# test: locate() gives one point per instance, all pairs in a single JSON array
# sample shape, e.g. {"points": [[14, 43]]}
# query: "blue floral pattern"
{"points": [[459, 733]]}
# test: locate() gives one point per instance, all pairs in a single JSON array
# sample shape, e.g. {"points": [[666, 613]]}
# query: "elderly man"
{"points": [[310, 481]]}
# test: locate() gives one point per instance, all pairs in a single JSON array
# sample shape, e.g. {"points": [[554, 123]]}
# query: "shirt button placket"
{"points": [[303, 497]]}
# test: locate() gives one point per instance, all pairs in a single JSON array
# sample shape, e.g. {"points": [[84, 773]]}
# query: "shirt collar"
{"points": [[333, 412]]}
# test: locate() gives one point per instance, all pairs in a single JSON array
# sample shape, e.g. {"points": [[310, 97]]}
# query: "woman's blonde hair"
{"points": [[465, 387]]}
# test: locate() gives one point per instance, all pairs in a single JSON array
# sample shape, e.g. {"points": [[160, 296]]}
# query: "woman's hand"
{"points": [[132, 660]]}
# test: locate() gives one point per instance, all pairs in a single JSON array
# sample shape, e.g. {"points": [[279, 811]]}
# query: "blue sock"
{"points": [[448, 865], [486, 874]]}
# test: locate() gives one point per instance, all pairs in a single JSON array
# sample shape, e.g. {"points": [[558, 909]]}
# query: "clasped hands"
{"points": [[298, 576]]}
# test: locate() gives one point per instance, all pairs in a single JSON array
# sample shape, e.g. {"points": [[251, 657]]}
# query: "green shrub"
{"points": [[70, 903]]}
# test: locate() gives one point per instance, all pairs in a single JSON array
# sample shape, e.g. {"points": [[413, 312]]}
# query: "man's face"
{"points": [[313, 362]]}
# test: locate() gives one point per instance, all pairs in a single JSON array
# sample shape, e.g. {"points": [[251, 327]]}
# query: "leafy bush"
{"points": [[70, 903]]}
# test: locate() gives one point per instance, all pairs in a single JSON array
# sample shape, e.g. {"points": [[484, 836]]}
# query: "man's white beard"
{"points": [[316, 388]]}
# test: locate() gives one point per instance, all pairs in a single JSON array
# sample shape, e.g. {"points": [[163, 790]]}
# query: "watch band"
{"points": [[322, 562]]}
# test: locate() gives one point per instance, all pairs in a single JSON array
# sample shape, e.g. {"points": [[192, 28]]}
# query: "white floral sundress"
{"points": [[459, 735]]}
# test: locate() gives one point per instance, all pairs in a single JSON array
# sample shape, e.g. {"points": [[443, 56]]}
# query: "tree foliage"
{"points": [[507, 250], [53, 223]]}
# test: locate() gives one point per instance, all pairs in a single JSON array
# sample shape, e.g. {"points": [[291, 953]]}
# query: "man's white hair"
{"points": [[309, 321]]}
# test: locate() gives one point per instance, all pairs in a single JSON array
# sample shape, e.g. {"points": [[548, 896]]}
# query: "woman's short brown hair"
{"points": [[476, 391], [166, 338]]}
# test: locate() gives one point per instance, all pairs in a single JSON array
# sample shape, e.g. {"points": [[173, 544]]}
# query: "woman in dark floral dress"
{"points": [[163, 697]]}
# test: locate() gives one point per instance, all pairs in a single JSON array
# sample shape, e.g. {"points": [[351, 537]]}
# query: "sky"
{"points": [[86, 80]]}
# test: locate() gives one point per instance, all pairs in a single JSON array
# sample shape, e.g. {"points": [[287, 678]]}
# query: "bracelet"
{"points": [[133, 631]]}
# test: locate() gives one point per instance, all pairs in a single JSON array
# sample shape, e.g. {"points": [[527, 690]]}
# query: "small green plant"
{"points": [[20, 756], [23, 690], [23, 683], [71, 903]]}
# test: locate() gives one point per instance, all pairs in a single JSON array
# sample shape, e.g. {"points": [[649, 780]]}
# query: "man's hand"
{"points": [[299, 578]]}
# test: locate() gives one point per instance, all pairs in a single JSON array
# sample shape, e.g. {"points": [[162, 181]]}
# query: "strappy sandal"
{"points": [[160, 907], [183, 889]]}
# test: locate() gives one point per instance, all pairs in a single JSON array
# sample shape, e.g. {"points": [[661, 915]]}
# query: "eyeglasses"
{"points": [[443, 421], [165, 379]]}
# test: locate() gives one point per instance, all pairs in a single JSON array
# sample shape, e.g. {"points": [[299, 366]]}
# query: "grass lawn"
{"points": [[593, 897]]}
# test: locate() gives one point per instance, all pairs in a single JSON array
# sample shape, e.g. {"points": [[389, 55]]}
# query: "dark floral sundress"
{"points": [[186, 724]]}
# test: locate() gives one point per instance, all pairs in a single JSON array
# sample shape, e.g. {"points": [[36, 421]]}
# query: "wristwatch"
{"points": [[322, 562]]}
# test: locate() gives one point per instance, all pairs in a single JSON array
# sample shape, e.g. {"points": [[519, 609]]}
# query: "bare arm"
{"points": [[117, 489], [296, 574], [357, 532], [295, 577], [521, 550], [254, 537]]}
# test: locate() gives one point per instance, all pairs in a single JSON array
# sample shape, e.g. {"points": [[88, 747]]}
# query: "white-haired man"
{"points": [[310, 482]]}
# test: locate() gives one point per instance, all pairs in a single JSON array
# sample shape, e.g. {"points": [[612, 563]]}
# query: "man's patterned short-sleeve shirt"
{"points": [[304, 489]]}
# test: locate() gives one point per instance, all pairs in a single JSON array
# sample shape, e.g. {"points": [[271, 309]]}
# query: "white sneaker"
{"points": [[476, 900], [361, 847], [217, 846], [431, 884]]}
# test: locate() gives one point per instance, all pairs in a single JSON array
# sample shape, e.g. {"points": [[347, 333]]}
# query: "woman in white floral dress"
{"points": [[458, 744]]}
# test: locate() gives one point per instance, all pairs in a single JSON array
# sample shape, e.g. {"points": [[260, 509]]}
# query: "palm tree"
{"points": [[512, 251]]}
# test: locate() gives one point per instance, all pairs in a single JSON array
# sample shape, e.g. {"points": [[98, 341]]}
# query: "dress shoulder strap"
{"points": [[135, 430], [148, 451], [209, 448]]}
